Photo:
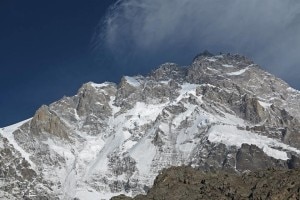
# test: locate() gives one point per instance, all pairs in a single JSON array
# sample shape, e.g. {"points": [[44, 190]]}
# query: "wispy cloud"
{"points": [[141, 32]]}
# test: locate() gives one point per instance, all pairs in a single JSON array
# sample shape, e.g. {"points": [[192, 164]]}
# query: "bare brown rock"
{"points": [[46, 121], [186, 183]]}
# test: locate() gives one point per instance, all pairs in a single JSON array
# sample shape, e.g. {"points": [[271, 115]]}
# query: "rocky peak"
{"points": [[128, 90], [94, 98], [205, 53], [228, 59], [169, 71]]}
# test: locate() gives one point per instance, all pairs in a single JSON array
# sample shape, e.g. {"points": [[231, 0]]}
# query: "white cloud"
{"points": [[266, 30]]}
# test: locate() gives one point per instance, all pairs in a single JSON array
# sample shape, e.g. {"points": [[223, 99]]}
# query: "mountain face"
{"points": [[220, 113]]}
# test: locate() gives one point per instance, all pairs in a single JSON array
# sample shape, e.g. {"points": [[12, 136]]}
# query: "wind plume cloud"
{"points": [[148, 32]]}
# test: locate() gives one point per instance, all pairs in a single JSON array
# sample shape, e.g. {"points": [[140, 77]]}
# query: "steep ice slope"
{"points": [[111, 139]]}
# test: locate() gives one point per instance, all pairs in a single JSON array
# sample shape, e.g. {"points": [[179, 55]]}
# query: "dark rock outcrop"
{"points": [[185, 183], [250, 157]]}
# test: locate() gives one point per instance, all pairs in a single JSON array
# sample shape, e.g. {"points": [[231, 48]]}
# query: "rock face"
{"points": [[17, 178], [220, 113], [190, 184], [46, 121], [250, 157]]}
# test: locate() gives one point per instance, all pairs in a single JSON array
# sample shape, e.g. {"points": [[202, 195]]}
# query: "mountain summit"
{"points": [[221, 112]]}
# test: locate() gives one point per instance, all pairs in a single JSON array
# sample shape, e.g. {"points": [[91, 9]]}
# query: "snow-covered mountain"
{"points": [[221, 112]]}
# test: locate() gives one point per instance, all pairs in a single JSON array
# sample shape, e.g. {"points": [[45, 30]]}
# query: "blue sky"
{"points": [[45, 52], [48, 49]]}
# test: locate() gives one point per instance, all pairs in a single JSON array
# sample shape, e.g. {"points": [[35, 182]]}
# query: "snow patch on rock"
{"points": [[238, 72], [232, 136]]}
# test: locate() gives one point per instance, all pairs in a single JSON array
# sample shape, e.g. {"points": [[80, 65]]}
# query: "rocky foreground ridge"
{"points": [[186, 183], [220, 113]]}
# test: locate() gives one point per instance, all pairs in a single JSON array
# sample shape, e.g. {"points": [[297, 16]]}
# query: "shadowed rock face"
{"points": [[220, 113], [250, 157], [190, 184]]}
